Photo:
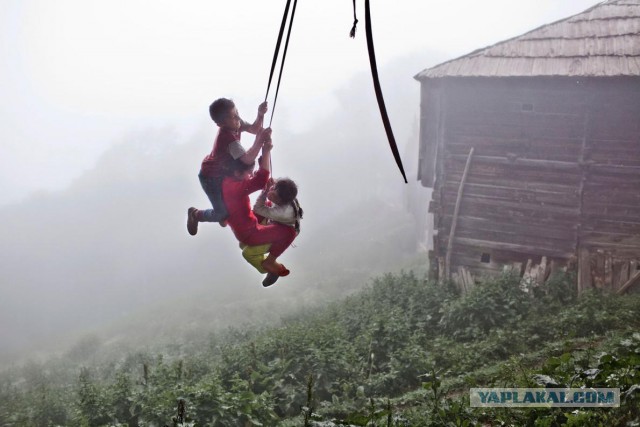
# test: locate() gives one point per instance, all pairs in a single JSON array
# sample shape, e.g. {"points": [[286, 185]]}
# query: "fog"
{"points": [[105, 123]]}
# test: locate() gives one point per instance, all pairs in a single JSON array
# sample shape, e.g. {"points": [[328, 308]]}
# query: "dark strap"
{"points": [[277, 50], [352, 33], [275, 60], [284, 56], [376, 85]]}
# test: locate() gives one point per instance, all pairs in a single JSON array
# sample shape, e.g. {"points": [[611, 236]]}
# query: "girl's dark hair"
{"points": [[219, 109], [287, 190]]}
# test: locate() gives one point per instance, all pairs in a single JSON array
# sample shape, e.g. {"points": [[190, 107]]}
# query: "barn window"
{"points": [[485, 258], [527, 107]]}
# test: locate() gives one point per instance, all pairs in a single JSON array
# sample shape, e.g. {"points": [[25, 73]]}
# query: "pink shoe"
{"points": [[275, 268]]}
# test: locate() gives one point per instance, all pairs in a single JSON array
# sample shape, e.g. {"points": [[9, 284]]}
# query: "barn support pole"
{"points": [[584, 270], [584, 254], [632, 281], [454, 220]]}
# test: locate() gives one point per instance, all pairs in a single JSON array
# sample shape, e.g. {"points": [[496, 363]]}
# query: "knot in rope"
{"points": [[352, 33]]}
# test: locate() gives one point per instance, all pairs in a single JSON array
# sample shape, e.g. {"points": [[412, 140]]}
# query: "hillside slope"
{"points": [[401, 352]]}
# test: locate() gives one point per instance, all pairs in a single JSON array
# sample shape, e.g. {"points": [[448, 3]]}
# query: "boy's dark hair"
{"points": [[287, 190], [219, 109], [240, 166]]}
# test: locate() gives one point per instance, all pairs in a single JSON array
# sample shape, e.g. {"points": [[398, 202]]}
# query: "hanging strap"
{"points": [[352, 33], [378, 90], [275, 59], [284, 56], [277, 50]]}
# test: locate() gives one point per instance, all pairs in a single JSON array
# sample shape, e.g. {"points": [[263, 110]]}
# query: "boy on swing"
{"points": [[226, 150]]}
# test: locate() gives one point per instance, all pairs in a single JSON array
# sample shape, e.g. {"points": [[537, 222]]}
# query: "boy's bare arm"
{"points": [[252, 153], [256, 126]]}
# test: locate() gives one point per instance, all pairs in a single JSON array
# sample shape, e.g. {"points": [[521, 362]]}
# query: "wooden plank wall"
{"points": [[555, 174], [610, 223], [522, 197], [430, 125]]}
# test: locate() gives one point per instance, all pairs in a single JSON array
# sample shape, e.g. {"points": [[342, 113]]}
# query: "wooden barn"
{"points": [[532, 148]]}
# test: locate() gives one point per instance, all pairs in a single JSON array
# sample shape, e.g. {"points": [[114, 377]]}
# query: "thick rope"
{"points": [[378, 90], [277, 50], [275, 60], [284, 56]]}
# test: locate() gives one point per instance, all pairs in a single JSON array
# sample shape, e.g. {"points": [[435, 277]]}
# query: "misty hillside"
{"points": [[401, 352], [113, 246]]}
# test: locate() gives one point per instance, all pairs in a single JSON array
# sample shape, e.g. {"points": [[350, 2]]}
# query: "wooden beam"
{"points": [[537, 164], [624, 273], [454, 221], [632, 281], [520, 248], [608, 270], [617, 170], [584, 270]]}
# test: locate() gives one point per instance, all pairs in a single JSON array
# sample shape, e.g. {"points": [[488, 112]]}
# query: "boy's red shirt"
{"points": [[216, 163], [241, 218]]}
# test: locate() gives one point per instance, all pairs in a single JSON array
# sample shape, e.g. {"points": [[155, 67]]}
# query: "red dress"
{"points": [[243, 221]]}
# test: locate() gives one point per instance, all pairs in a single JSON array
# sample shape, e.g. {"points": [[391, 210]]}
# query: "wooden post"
{"points": [[624, 273], [454, 220], [632, 281], [585, 280], [584, 269], [608, 270], [542, 271]]}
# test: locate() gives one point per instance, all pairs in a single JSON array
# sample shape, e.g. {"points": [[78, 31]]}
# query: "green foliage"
{"points": [[91, 401], [496, 304], [402, 352]]}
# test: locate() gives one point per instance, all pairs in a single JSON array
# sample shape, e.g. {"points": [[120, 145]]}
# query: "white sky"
{"points": [[76, 74]]}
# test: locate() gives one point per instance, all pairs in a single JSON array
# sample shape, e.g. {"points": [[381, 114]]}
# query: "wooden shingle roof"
{"points": [[604, 40]]}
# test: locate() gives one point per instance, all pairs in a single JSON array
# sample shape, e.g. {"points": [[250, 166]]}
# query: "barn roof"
{"points": [[604, 40]]}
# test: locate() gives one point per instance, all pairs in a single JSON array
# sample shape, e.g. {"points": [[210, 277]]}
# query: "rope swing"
{"points": [[372, 61], [284, 53]]}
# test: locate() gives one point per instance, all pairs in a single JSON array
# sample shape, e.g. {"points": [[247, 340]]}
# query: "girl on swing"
{"points": [[236, 188], [277, 203]]}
